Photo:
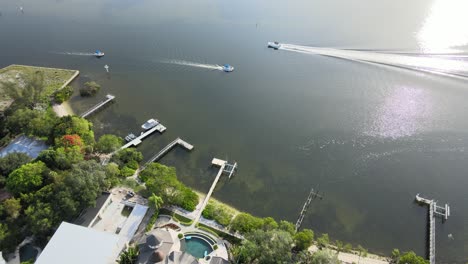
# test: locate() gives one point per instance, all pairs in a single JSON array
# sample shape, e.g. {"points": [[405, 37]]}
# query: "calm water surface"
{"points": [[369, 138]]}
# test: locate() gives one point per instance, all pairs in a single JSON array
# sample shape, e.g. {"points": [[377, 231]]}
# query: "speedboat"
{"points": [[228, 68], [98, 53], [275, 45], [150, 124]]}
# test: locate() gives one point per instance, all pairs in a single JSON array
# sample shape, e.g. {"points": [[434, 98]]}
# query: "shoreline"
{"points": [[63, 109]]}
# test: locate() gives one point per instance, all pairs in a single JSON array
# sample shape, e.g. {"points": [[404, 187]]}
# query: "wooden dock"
{"points": [[159, 127], [312, 196], [434, 210], [166, 149], [109, 98]]}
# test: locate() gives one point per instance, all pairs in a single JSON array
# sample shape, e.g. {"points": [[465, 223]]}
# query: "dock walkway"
{"points": [[109, 98], [166, 149], [160, 128], [434, 211]]}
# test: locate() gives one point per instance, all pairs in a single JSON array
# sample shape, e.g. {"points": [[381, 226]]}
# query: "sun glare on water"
{"points": [[445, 27]]}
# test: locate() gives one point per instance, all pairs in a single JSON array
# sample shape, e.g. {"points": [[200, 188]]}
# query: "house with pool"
{"points": [[171, 244]]}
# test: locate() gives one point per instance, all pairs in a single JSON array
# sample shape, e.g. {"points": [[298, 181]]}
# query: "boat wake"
{"points": [[76, 53], [195, 64], [438, 65]]}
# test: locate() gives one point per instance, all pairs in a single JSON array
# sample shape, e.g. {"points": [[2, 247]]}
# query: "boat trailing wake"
{"points": [[76, 53], [437, 65], [195, 64]]}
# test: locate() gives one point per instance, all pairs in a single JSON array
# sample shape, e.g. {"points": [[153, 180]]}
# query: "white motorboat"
{"points": [[150, 124], [275, 45]]}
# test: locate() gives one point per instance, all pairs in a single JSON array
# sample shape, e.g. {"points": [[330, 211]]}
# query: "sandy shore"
{"points": [[63, 109]]}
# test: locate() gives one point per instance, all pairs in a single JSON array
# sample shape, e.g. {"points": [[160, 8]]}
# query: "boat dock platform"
{"points": [[166, 149], [434, 210], [225, 167], [159, 127], [312, 196], [109, 98]]}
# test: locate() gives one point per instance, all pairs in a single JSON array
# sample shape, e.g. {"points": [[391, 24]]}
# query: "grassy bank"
{"points": [[54, 80]]}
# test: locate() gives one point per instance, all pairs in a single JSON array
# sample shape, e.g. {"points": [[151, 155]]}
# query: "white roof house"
{"points": [[74, 244]]}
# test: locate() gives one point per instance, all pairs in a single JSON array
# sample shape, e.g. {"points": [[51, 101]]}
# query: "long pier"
{"points": [[312, 196], [109, 98], [225, 167], [434, 210], [159, 127], [166, 149]]}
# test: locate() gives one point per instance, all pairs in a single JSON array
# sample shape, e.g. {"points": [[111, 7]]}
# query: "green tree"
{"points": [[287, 226], [112, 173], [40, 218], [30, 94], [304, 239], [411, 258], [269, 223], [12, 207], [324, 257], [130, 256], [155, 202], [245, 223], [303, 257], [395, 255], [89, 89], [130, 155], [26, 178], [63, 94], [108, 143], [323, 241], [12, 161], [32, 122], [69, 125], [265, 247]]}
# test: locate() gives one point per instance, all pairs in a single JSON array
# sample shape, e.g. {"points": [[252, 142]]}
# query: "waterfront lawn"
{"points": [[54, 79]]}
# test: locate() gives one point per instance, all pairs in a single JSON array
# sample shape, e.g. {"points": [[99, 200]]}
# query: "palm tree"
{"points": [[130, 256], [155, 202]]}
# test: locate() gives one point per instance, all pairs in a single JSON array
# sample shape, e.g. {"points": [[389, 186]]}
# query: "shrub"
{"points": [[126, 172], [63, 95], [215, 247], [90, 89], [180, 235]]}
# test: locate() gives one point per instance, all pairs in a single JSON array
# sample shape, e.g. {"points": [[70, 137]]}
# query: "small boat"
{"points": [[150, 124], [130, 137], [228, 68], [275, 45], [98, 53]]}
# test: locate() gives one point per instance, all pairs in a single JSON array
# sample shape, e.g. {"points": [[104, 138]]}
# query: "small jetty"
{"points": [[225, 167], [135, 142], [434, 210], [166, 149], [312, 196], [93, 109]]}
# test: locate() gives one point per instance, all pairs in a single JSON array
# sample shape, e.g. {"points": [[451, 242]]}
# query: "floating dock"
{"points": [[166, 149], [434, 210], [159, 127], [109, 98]]}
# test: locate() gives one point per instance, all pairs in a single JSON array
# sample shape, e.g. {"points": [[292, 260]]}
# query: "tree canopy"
{"points": [[70, 125], [108, 143], [304, 239], [245, 223], [12, 161], [265, 247], [26, 178], [411, 258], [324, 257]]}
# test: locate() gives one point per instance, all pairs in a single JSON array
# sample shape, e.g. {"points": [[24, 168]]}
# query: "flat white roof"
{"points": [[74, 244]]}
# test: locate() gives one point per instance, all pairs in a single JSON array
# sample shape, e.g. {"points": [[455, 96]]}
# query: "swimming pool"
{"points": [[196, 246]]}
